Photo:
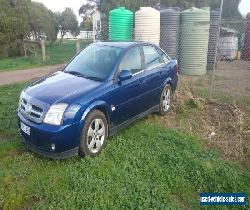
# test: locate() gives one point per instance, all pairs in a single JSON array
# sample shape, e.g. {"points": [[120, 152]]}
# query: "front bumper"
{"points": [[66, 138], [52, 155]]}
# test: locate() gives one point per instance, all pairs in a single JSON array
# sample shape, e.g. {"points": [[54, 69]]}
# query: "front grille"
{"points": [[31, 111]]}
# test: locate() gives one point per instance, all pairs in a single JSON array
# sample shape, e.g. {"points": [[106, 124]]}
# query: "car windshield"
{"points": [[95, 62]]}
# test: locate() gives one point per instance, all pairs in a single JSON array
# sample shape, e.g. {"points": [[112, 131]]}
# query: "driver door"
{"points": [[127, 95]]}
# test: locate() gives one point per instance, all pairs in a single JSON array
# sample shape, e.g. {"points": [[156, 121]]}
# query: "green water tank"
{"points": [[194, 41], [120, 24]]}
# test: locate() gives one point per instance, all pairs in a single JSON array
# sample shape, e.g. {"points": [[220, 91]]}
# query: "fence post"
{"points": [[217, 44], [24, 49], [43, 50], [78, 47]]}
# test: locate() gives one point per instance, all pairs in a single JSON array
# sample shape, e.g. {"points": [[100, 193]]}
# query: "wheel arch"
{"points": [[102, 106], [168, 81], [104, 110]]}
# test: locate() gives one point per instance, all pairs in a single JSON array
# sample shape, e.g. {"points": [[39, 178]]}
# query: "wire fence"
{"points": [[228, 61], [214, 56]]}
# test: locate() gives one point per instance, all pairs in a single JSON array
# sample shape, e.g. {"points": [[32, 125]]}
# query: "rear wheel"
{"points": [[94, 134], [165, 100]]}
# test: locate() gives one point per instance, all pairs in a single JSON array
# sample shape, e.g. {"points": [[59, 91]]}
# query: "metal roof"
{"points": [[228, 30]]}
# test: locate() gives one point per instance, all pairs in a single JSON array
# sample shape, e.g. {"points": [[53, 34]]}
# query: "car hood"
{"points": [[59, 86]]}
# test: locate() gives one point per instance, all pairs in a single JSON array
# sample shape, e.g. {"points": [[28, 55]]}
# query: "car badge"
{"points": [[28, 108]]}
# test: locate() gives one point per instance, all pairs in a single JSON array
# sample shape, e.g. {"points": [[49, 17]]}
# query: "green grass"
{"points": [[9, 96], [55, 53], [144, 166]]}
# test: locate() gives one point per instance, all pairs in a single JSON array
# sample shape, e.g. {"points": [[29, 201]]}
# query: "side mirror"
{"points": [[125, 75]]}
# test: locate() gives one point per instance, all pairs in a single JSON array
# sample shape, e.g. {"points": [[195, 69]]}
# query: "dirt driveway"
{"points": [[10, 77]]}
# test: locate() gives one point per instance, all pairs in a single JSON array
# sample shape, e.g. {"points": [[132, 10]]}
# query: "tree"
{"points": [[230, 7], [85, 9], [42, 22], [19, 19], [13, 25], [67, 22], [86, 24], [106, 5]]}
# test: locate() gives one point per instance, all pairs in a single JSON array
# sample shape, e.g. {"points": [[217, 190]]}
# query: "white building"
{"points": [[95, 16], [82, 35]]}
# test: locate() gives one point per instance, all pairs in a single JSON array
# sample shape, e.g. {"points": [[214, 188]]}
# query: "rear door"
{"points": [[166, 65], [153, 80]]}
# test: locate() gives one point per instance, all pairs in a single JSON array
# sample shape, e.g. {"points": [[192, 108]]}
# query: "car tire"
{"points": [[165, 100], [94, 134]]}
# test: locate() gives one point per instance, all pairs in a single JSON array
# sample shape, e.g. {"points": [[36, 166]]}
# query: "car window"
{"points": [[163, 57], [151, 56], [132, 60], [95, 61]]}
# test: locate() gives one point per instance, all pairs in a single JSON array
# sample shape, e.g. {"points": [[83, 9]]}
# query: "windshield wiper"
{"points": [[76, 73], [93, 78]]}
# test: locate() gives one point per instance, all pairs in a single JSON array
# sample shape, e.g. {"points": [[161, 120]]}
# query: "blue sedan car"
{"points": [[104, 88]]}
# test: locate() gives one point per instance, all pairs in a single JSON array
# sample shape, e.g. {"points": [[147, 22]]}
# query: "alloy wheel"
{"points": [[96, 135], [166, 99]]}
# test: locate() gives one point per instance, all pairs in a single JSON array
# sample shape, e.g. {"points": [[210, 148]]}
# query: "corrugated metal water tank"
{"points": [[194, 41], [147, 25], [121, 24], [214, 31], [246, 48], [170, 27]]}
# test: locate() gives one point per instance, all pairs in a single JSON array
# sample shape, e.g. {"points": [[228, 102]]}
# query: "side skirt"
{"points": [[115, 129]]}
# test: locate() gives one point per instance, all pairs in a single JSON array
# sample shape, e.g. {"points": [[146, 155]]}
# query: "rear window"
{"points": [[151, 55], [163, 57]]}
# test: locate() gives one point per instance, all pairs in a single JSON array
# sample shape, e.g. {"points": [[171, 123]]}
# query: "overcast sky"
{"points": [[244, 7], [59, 5]]}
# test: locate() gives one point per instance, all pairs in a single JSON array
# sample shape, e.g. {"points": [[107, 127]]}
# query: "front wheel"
{"points": [[94, 134], [165, 100]]}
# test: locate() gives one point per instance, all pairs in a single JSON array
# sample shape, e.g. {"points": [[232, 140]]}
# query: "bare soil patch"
{"points": [[230, 77], [237, 77]]}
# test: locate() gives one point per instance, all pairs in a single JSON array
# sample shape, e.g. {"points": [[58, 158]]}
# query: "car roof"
{"points": [[121, 44]]}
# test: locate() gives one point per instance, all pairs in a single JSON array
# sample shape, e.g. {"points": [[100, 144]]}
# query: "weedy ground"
{"points": [[223, 123], [147, 165]]}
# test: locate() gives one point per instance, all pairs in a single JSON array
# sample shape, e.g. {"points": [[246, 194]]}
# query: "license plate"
{"points": [[25, 128]]}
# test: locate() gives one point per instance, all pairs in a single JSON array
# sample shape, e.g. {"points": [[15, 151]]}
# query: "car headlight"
{"points": [[20, 100], [55, 114]]}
